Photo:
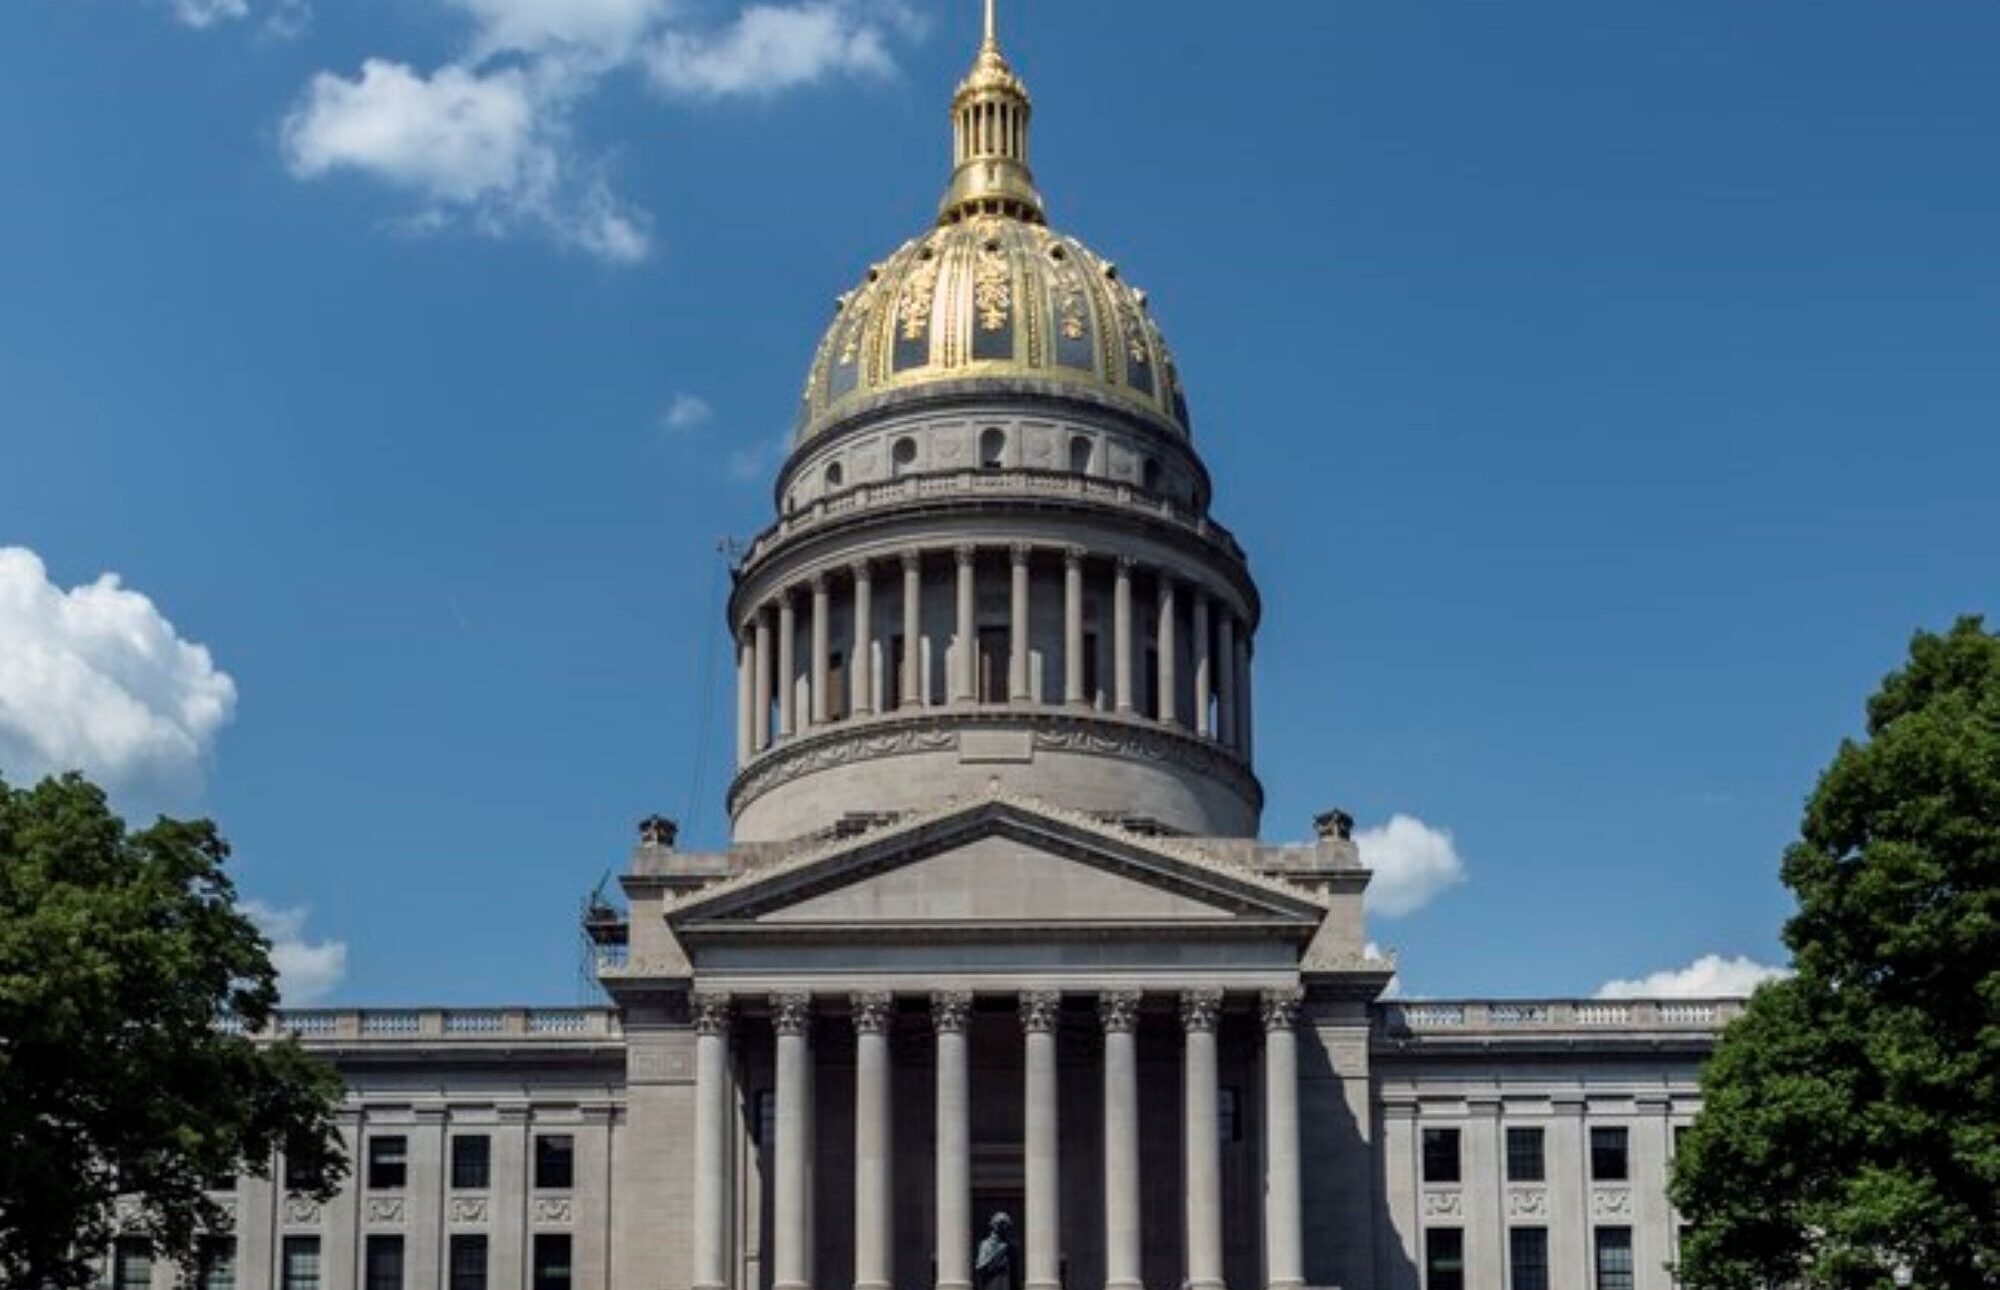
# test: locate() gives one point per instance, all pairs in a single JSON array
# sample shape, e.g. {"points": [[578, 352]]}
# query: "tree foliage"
{"points": [[128, 984], [1851, 1117]]}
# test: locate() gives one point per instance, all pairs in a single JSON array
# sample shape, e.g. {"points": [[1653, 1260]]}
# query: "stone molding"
{"points": [[301, 1211], [1527, 1202], [1444, 1204], [553, 1209], [860, 739], [385, 1209], [1118, 1010], [1611, 1202], [467, 1209]]}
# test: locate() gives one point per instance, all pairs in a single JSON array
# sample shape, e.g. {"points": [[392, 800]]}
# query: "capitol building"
{"points": [[996, 932]]}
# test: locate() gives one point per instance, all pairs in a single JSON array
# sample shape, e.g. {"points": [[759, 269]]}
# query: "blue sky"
{"points": [[1604, 393]]}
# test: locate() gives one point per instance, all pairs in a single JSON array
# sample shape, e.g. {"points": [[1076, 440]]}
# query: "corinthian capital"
{"points": [[791, 1012], [1199, 1009]]}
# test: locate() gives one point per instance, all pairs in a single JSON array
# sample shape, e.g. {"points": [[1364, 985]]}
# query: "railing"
{"points": [[1052, 484], [1556, 1015], [450, 1025]]}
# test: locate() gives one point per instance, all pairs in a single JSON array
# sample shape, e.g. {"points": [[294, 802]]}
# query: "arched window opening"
{"points": [[993, 449], [1080, 452], [833, 476], [1149, 475]]}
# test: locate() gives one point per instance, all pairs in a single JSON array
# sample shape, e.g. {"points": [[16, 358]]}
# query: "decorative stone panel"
{"points": [[467, 1209], [300, 1211], [385, 1209], [1444, 1204], [552, 1209], [1611, 1202], [1527, 1202]]}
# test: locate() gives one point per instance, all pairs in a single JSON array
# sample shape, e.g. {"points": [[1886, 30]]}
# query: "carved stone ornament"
{"points": [[1199, 1009], [225, 1216], [1527, 1202], [949, 1010], [873, 1011], [385, 1209], [467, 1209], [1611, 1202], [658, 831], [301, 1209], [711, 1010], [792, 1012], [1334, 824], [553, 1209], [1280, 1008], [1119, 1010], [1443, 1204], [1040, 1009]]}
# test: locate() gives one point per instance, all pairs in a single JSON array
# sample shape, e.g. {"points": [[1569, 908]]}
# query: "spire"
{"points": [[989, 129]]}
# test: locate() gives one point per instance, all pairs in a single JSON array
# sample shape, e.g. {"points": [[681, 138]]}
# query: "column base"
{"points": [[1041, 1285], [1203, 1285], [791, 1285], [1290, 1284], [1133, 1284], [954, 1285], [872, 1285]]}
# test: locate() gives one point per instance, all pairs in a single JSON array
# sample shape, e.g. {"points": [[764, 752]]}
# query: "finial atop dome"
{"points": [[989, 126]]}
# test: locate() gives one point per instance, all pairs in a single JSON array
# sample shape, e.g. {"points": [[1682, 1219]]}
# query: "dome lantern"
{"points": [[989, 131]]}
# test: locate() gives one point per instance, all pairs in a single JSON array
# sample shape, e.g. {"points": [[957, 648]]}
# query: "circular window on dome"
{"points": [[904, 453], [833, 476], [993, 449]]}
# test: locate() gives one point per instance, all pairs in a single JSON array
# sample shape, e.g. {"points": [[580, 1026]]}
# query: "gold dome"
{"points": [[992, 293]]}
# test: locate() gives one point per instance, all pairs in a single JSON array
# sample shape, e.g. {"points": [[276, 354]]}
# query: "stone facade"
{"points": [[995, 931]]}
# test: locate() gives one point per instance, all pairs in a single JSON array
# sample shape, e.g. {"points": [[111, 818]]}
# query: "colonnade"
{"points": [[771, 709], [1118, 1014]]}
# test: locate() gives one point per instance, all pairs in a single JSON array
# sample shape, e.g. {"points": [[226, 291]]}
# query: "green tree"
{"points": [[1851, 1118], [129, 983]]}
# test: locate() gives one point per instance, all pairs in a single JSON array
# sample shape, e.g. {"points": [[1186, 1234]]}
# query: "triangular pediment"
{"points": [[1000, 864]]}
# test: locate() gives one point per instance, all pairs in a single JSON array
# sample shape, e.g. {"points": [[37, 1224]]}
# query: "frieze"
{"points": [[1611, 1202], [783, 769], [1527, 1202], [553, 1209], [385, 1209], [467, 1209], [1444, 1204]]}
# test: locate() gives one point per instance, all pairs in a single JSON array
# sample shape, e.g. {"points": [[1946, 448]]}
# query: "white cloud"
{"points": [[96, 679], [1394, 990], [206, 13], [1709, 977], [484, 145], [1413, 864], [770, 49], [308, 971], [686, 412], [485, 140]]}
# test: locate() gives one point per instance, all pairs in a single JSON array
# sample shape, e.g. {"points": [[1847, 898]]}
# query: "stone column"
{"points": [[874, 1237], [1284, 1249], [1041, 1010], [1073, 627], [788, 687], [1225, 666], [712, 1097], [1121, 636], [1202, 1154], [1204, 666], [746, 734], [762, 682], [1017, 643], [860, 665], [791, 1255], [964, 681], [950, 1010], [913, 626], [1119, 1011], [1243, 741], [1169, 708], [822, 646]]}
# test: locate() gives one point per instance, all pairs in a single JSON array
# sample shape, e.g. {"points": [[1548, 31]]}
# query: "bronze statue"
{"points": [[998, 1266]]}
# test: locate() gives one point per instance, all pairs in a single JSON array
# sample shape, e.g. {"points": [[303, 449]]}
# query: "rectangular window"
{"points": [[1440, 1155], [765, 1129], [471, 1162], [992, 660], [1528, 1258], [891, 697], [1524, 1155], [551, 1261], [1614, 1258], [1229, 1115], [1090, 682], [1608, 1155], [1444, 1259], [131, 1264], [388, 1163], [468, 1261], [217, 1267], [383, 1263], [300, 1268], [836, 686], [295, 1179], [555, 1161]]}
